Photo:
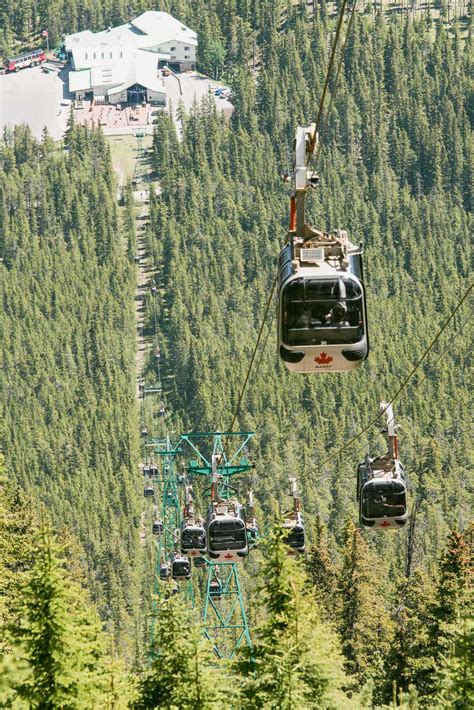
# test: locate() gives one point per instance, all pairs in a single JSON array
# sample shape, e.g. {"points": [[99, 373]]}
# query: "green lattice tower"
{"points": [[167, 485], [224, 617]]}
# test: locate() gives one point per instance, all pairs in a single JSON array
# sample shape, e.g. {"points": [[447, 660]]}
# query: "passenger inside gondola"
{"points": [[382, 500], [227, 535], [317, 312], [336, 316], [193, 538], [295, 537]]}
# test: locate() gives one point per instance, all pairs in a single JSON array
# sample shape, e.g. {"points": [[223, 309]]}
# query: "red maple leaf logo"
{"points": [[228, 557], [323, 359], [385, 524]]}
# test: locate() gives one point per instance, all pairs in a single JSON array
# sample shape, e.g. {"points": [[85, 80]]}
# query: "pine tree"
{"points": [[323, 572], [58, 638], [455, 681], [179, 675], [365, 626], [410, 661], [17, 527], [452, 631], [295, 660]]}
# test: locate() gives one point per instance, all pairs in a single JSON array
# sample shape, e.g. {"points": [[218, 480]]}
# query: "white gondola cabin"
{"points": [[321, 305], [382, 494], [181, 567], [193, 538], [382, 485], [226, 531], [215, 589], [165, 571], [293, 527], [157, 527], [148, 491]]}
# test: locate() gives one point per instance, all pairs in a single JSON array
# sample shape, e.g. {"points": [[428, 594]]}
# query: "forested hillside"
{"points": [[68, 419], [395, 172], [380, 610]]}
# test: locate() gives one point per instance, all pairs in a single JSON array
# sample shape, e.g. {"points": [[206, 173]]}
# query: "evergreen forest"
{"points": [[363, 619]]}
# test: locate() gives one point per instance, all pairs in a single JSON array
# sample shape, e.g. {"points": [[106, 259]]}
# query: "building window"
{"points": [[102, 55], [172, 49], [121, 55], [85, 56], [186, 49], [110, 55], [186, 56], [95, 56]]}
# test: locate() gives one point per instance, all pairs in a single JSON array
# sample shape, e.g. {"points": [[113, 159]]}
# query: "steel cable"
{"points": [[318, 123], [405, 382]]}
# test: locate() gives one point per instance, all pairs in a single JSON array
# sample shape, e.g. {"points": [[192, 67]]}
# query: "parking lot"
{"points": [[31, 96], [193, 85], [41, 99]]}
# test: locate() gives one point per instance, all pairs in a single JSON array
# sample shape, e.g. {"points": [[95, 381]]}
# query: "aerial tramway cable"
{"points": [[404, 383], [318, 124], [252, 360], [336, 79], [319, 116]]}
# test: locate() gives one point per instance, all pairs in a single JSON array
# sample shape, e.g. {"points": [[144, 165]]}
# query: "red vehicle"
{"points": [[28, 59]]}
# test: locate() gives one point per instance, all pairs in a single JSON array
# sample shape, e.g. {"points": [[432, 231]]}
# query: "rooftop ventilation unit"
{"points": [[312, 255]]}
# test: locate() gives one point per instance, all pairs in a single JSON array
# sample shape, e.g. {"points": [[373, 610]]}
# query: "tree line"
{"points": [[55, 652]]}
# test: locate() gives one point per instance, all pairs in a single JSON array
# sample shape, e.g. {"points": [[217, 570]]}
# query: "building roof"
{"points": [[163, 27], [125, 55], [140, 69], [143, 71], [147, 31]]}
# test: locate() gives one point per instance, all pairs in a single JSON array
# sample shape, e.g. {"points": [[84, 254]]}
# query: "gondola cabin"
{"points": [[193, 538], [215, 589], [165, 572], [149, 492], [226, 532], [322, 321], [252, 530], [157, 527], [382, 494], [181, 568], [294, 532]]}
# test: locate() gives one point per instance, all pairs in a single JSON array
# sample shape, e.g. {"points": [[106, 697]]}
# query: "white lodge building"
{"points": [[120, 64]]}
